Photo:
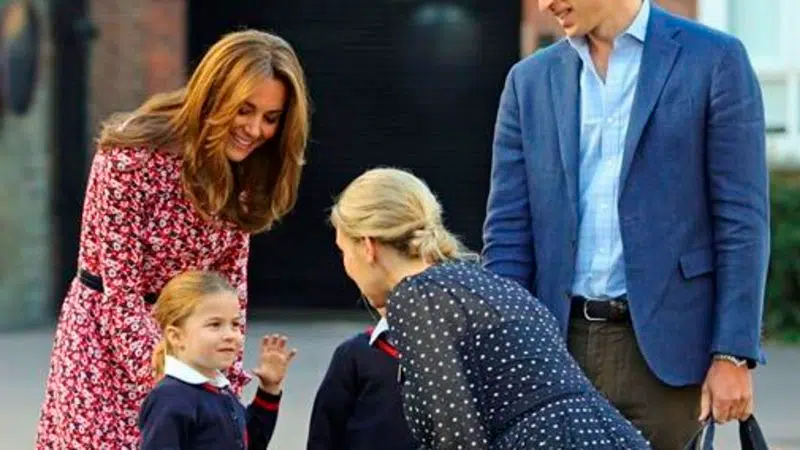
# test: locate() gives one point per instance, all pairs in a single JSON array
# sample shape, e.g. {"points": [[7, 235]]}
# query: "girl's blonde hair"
{"points": [[398, 209], [257, 191], [176, 302]]}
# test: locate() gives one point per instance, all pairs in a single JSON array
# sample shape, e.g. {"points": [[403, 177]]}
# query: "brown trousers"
{"points": [[610, 356]]}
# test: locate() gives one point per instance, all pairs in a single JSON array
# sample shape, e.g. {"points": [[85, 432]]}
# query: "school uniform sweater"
{"points": [[358, 405], [186, 410]]}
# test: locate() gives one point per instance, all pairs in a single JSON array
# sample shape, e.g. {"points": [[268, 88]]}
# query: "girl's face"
{"points": [[211, 338], [257, 120]]}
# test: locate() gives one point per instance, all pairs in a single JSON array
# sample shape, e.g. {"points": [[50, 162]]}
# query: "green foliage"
{"points": [[782, 308]]}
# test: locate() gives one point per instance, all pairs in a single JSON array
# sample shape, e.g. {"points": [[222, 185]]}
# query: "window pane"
{"points": [[757, 24], [790, 11], [775, 104]]}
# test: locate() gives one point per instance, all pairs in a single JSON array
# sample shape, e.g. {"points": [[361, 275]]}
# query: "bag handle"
{"points": [[750, 436], [703, 439]]}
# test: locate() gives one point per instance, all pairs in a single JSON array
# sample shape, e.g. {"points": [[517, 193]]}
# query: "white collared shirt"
{"points": [[186, 373], [381, 327]]}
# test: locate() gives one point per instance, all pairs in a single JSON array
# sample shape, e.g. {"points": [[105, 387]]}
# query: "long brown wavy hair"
{"points": [[198, 118]]}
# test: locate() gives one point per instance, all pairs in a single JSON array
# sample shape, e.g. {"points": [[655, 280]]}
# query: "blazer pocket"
{"points": [[697, 262]]}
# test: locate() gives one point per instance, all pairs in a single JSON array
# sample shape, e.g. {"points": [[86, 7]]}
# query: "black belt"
{"points": [[95, 283], [601, 310]]}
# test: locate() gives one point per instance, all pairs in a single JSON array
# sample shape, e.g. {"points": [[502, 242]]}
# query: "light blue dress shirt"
{"points": [[605, 112]]}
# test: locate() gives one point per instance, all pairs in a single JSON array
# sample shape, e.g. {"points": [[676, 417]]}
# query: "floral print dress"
{"points": [[138, 231]]}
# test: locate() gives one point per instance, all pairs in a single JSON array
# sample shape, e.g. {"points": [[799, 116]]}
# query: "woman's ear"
{"points": [[370, 249]]}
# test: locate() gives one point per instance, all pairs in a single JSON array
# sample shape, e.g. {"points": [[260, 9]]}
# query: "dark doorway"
{"points": [[412, 84], [72, 34]]}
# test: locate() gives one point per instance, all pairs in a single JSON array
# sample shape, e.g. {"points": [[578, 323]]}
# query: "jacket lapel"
{"points": [[658, 58], [565, 89]]}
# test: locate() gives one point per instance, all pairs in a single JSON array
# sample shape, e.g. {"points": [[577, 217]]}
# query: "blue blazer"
{"points": [[693, 203]]}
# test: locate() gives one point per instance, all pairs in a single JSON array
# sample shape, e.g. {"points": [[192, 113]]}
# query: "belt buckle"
{"points": [[586, 312]]}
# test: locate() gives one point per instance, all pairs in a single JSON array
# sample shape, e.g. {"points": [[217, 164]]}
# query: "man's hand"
{"points": [[727, 392]]}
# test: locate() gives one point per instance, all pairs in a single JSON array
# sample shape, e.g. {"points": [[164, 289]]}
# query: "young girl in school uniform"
{"points": [[358, 405], [192, 405]]}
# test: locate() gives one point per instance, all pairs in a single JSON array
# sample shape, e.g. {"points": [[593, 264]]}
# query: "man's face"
{"points": [[577, 17]]}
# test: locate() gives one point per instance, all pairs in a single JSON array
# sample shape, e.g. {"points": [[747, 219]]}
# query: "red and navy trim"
{"points": [[263, 399], [267, 401], [382, 344], [211, 388]]}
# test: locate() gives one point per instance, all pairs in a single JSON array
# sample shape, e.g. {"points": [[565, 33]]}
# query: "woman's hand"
{"points": [[273, 363]]}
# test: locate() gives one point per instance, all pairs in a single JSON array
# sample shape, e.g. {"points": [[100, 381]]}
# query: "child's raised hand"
{"points": [[273, 363]]}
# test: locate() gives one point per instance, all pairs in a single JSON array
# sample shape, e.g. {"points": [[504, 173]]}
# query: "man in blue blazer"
{"points": [[629, 193]]}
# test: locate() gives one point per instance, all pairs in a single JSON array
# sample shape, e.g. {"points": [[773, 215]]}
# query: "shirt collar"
{"points": [[381, 328], [637, 29], [184, 372]]}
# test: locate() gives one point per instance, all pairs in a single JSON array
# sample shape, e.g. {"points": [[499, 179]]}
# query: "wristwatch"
{"points": [[738, 362]]}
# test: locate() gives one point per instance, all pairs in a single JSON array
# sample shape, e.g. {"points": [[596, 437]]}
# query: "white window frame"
{"points": [[783, 149]]}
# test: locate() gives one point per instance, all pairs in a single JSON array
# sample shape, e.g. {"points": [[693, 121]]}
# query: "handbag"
{"points": [[750, 436]]}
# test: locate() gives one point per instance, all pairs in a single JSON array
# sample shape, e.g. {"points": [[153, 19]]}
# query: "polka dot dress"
{"points": [[486, 367]]}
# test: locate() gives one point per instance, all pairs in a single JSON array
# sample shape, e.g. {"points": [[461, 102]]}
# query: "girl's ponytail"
{"points": [[159, 359]]}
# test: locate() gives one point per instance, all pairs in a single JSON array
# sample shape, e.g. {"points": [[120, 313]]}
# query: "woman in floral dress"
{"points": [[180, 183]]}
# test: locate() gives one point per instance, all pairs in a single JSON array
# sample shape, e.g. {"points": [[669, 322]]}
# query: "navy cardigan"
{"points": [[177, 415], [358, 404]]}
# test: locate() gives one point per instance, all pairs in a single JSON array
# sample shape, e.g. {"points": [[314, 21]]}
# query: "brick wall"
{"points": [[140, 49], [535, 24]]}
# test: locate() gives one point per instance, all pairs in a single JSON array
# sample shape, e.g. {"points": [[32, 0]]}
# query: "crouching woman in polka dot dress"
{"points": [[484, 364]]}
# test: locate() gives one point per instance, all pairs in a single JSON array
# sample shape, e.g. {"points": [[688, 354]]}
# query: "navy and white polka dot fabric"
{"points": [[486, 367]]}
